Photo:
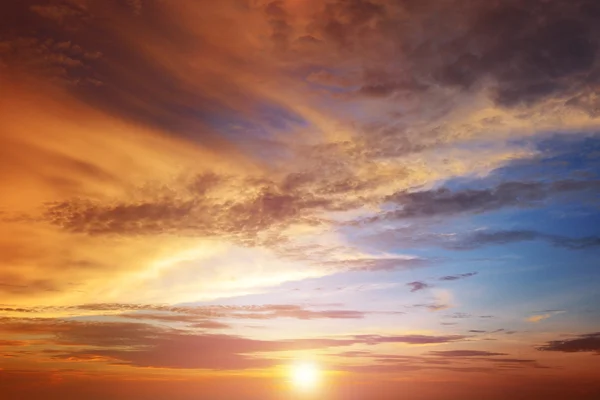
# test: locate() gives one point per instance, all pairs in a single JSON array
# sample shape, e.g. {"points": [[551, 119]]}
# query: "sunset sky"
{"points": [[300, 199]]}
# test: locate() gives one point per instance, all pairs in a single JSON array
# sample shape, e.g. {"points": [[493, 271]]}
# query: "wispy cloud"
{"points": [[465, 353], [544, 315], [457, 277]]}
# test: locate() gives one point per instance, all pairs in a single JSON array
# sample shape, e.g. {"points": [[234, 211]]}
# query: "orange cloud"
{"points": [[546, 315]]}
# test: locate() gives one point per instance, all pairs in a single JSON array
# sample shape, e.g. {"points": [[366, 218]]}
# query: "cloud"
{"points": [[194, 213], [397, 263], [461, 315], [465, 353], [538, 318], [210, 325], [199, 316], [409, 339], [475, 56], [145, 345], [445, 202], [584, 343], [161, 139], [543, 316], [457, 277], [192, 320], [61, 13], [434, 306], [485, 238], [9, 343], [187, 165], [450, 360], [417, 286]]}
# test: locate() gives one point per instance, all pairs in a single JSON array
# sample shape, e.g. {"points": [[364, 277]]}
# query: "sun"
{"points": [[305, 375]]}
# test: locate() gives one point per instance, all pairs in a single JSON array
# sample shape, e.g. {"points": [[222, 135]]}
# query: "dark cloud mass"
{"points": [[529, 51], [446, 202], [484, 238], [584, 343], [532, 52]]}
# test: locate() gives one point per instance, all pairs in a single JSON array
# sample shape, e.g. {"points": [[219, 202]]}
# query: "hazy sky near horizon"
{"points": [[196, 195]]}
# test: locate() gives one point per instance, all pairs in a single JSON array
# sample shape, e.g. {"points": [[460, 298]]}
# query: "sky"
{"points": [[201, 198]]}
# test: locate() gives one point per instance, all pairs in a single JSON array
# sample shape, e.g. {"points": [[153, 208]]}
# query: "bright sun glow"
{"points": [[305, 375]]}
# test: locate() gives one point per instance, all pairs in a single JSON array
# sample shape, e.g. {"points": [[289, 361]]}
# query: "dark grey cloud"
{"points": [[584, 343], [545, 49], [446, 202], [418, 238], [418, 285], [524, 52], [485, 238], [457, 277]]}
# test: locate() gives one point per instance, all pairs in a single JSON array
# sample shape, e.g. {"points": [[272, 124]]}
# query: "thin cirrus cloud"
{"points": [[465, 353], [199, 315], [457, 277], [543, 315]]}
